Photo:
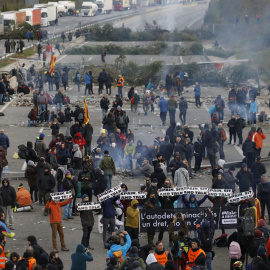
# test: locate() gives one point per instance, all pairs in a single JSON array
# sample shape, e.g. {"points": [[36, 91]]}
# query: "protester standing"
{"points": [[163, 105], [197, 92]]}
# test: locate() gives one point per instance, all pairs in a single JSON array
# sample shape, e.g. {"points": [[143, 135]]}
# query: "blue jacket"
{"points": [[123, 248], [4, 141], [197, 90], [253, 107], [87, 79], [212, 109], [163, 105], [62, 156], [181, 74], [28, 34], [79, 258], [108, 209]]}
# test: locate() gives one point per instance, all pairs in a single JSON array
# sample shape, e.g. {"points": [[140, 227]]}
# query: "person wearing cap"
{"points": [[172, 106], [46, 184], [132, 220], [244, 178], [31, 174], [120, 85], [135, 99], [54, 209], [132, 259], [257, 169], [163, 105], [195, 255], [41, 146], [87, 221], [23, 198], [264, 195], [230, 179]]}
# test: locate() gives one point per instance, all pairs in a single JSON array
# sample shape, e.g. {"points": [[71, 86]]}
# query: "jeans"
{"points": [[68, 210], [1, 98], [180, 202], [106, 222], [87, 86], [9, 216], [57, 85], [163, 116], [59, 106], [57, 227], [208, 260], [198, 101], [87, 148], [221, 152], [50, 86], [220, 115], [79, 86], [42, 108], [172, 116], [108, 177], [182, 117], [120, 92], [253, 118], [104, 111], [86, 235], [129, 162]]}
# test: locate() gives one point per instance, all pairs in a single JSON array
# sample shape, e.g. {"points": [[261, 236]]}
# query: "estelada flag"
{"points": [[86, 114], [53, 61]]}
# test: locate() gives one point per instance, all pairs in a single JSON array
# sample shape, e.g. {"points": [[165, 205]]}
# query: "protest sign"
{"points": [[57, 196], [220, 192], [171, 191], [240, 196], [159, 219], [131, 195], [109, 193], [88, 206], [196, 190]]}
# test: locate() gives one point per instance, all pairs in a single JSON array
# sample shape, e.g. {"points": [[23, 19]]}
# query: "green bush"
{"points": [[196, 49], [20, 33], [242, 73]]}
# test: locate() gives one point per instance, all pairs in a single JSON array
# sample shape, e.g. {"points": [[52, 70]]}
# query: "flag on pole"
{"points": [[53, 61], [86, 114]]}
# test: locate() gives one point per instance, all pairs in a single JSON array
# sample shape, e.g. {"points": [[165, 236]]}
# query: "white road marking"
{"points": [[61, 58], [181, 59], [40, 131], [24, 166], [90, 58], [5, 106], [194, 22]]}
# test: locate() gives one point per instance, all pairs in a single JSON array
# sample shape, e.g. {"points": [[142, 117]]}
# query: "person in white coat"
{"points": [[181, 179]]}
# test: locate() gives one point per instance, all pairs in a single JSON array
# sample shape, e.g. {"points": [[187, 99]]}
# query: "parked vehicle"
{"points": [[33, 16], [104, 6], [121, 5], [13, 18], [69, 6], [61, 9], [48, 14], [89, 9]]}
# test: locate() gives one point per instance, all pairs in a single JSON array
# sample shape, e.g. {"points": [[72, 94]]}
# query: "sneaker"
{"points": [[70, 217], [15, 209], [56, 250], [64, 249]]}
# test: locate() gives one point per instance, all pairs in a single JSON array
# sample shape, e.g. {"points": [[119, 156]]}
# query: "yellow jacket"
{"points": [[132, 216]]}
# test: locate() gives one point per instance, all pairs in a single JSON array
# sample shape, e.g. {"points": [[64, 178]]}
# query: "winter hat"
{"points": [[118, 107], [98, 150], [20, 185], [221, 163], [258, 234], [238, 265], [261, 223], [154, 180], [118, 211], [181, 164], [30, 163], [178, 124], [177, 154], [169, 265], [135, 264], [261, 251], [136, 92], [85, 196], [103, 131], [134, 250], [67, 174], [47, 167], [232, 168], [41, 135], [244, 165], [220, 125], [113, 144], [151, 259], [192, 196]]}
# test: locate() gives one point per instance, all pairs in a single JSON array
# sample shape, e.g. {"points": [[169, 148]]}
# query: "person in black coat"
{"points": [[219, 182], [38, 250], [166, 150], [9, 202], [232, 129], [30, 153], [264, 195], [87, 132], [198, 153], [249, 151], [258, 169], [230, 179], [239, 126], [180, 147], [244, 178], [76, 128], [159, 175], [65, 80], [260, 262]]}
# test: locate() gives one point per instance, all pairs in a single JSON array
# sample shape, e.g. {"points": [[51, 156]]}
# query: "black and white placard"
{"points": [[57, 196], [109, 193], [88, 206]]}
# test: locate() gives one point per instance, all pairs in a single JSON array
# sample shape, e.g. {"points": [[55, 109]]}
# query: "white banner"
{"points": [[196, 190], [131, 195], [240, 196], [109, 193], [57, 196], [88, 206], [171, 191], [220, 192]]}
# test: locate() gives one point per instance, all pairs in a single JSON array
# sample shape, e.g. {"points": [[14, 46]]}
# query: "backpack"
{"points": [[215, 147], [181, 244], [132, 101], [235, 250], [130, 262], [221, 241], [119, 256], [223, 135], [22, 265]]}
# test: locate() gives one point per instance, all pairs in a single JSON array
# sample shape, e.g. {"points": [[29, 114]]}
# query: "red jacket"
{"points": [[258, 138], [79, 140]]}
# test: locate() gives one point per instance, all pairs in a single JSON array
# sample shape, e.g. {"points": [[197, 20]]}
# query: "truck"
{"points": [[69, 6], [104, 6], [13, 18], [61, 9], [121, 5], [89, 9], [33, 16], [48, 14], [1, 24]]}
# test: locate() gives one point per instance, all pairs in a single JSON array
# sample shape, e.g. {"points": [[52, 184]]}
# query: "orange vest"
{"points": [[192, 256], [120, 82], [31, 262], [2, 259], [163, 258]]}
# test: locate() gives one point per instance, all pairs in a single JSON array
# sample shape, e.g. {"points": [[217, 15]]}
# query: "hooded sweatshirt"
{"points": [[30, 154], [132, 215], [8, 194], [152, 263], [181, 178], [77, 158], [163, 105], [79, 258]]}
